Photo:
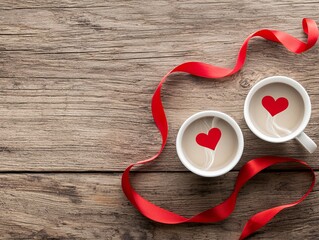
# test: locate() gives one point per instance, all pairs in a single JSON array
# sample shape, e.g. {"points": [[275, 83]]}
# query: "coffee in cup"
{"points": [[278, 109], [209, 143]]}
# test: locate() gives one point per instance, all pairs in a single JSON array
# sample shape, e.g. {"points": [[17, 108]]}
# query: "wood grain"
{"points": [[92, 206], [76, 80]]}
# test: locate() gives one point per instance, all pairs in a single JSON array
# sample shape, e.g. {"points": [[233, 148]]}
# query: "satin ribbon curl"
{"points": [[250, 169]]}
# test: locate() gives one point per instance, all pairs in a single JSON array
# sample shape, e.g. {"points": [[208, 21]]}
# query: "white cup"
{"points": [[298, 134], [231, 163]]}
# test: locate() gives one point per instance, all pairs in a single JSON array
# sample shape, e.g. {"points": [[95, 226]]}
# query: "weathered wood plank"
{"points": [[76, 78], [92, 206]]}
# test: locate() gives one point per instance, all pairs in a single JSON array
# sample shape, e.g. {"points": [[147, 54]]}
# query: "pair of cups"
{"points": [[277, 109]]}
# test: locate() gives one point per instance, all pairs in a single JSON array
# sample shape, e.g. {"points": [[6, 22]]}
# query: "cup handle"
{"points": [[307, 142]]}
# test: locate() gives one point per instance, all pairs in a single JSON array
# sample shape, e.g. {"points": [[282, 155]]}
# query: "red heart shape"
{"points": [[274, 106], [209, 140]]}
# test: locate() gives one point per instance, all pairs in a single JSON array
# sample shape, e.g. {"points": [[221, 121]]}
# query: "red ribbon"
{"points": [[250, 169]]}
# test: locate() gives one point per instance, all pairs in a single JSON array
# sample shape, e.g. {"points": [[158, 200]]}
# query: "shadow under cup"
{"points": [[202, 160]]}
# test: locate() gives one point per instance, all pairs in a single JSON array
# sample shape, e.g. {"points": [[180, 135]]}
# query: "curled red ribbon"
{"points": [[250, 169]]}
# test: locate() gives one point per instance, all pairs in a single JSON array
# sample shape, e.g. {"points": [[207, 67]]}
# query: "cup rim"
{"points": [[210, 113], [292, 83]]}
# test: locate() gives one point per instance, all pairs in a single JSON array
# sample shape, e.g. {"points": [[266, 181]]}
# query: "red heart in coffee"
{"points": [[209, 140], [274, 106]]}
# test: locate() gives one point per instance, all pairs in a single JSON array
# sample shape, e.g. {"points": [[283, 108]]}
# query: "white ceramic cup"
{"points": [[232, 162], [298, 134]]}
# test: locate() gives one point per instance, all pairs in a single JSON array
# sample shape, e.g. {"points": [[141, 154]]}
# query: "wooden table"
{"points": [[76, 80]]}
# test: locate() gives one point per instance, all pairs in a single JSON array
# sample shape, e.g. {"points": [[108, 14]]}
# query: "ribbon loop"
{"points": [[250, 169]]}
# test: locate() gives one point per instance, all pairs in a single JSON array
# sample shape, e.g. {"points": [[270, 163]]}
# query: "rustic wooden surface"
{"points": [[76, 79]]}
